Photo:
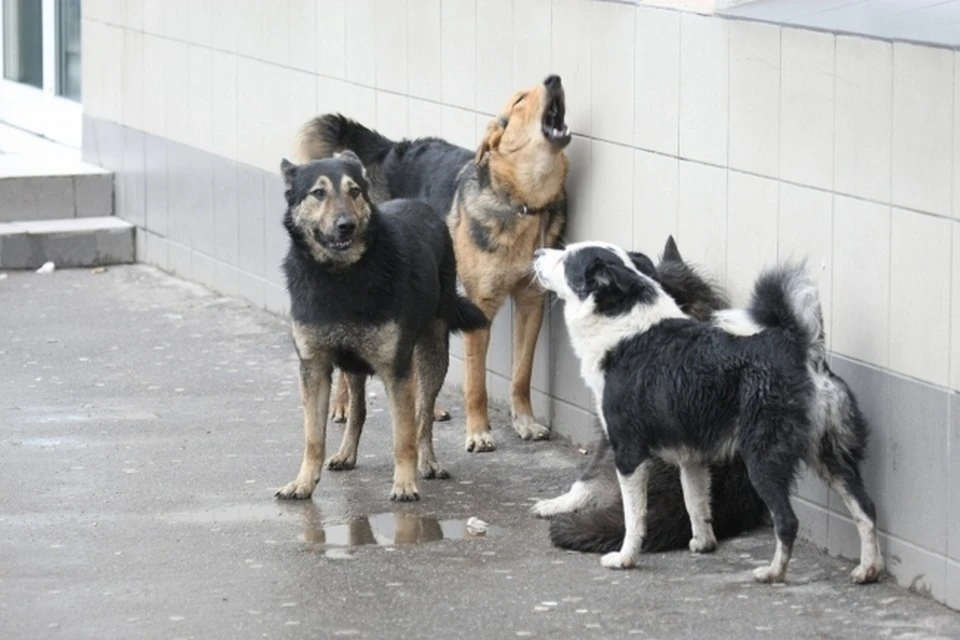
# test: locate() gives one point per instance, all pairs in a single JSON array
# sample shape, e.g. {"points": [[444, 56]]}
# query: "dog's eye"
{"points": [[319, 193], [520, 99], [354, 192]]}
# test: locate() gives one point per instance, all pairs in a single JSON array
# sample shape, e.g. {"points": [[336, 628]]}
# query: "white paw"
{"points": [[703, 545], [618, 560], [547, 508], [866, 574], [768, 574], [529, 429]]}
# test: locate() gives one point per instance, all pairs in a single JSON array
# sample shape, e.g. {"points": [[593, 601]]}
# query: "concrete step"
{"points": [[53, 188], [73, 242]]}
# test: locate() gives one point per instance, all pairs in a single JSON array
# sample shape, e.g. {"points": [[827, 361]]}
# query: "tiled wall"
{"points": [[750, 142]]}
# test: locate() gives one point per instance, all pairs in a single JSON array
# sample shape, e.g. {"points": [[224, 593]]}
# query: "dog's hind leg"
{"points": [[528, 301], [773, 486], [341, 398], [633, 488], [850, 488], [430, 362], [316, 371], [346, 457], [695, 480]]}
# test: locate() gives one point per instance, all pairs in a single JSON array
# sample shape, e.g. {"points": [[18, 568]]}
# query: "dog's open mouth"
{"points": [[555, 128], [333, 243]]}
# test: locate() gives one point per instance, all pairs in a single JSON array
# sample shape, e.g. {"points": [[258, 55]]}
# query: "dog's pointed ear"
{"points": [[491, 139], [643, 264], [670, 251], [289, 171]]}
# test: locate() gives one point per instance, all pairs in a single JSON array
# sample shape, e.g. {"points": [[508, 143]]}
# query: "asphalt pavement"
{"points": [[146, 422]]}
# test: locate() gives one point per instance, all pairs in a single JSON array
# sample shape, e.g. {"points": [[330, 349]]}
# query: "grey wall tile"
{"points": [[953, 486], [566, 382], [179, 180], [226, 224], [251, 288], [157, 251], [131, 187], [813, 522], [111, 145], [250, 210], [915, 568], [907, 461], [501, 340], [953, 585], [228, 279], [275, 235], [575, 424], [180, 260], [156, 183], [198, 201], [93, 195], [204, 269]]}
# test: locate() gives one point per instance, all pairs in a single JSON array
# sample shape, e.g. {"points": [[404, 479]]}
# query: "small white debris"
{"points": [[548, 603], [3, 276], [98, 270], [287, 605], [48, 267], [176, 618], [476, 526]]}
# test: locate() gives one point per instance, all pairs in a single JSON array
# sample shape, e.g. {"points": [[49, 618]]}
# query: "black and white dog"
{"points": [[691, 393]]}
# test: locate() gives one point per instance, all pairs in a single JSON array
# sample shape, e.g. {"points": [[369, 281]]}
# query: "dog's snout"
{"points": [[552, 81], [346, 225]]}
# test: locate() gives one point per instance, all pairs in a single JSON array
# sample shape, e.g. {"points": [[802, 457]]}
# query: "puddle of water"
{"points": [[392, 529], [383, 529]]}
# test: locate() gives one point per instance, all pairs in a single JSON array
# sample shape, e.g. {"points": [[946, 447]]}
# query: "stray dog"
{"points": [[691, 394], [502, 202], [589, 517], [372, 291]]}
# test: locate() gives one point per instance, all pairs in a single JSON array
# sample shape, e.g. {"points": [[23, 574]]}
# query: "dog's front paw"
{"points": [[618, 560], [548, 508], [865, 574], [703, 545], [404, 492], [342, 462], [769, 574], [433, 470], [529, 429], [297, 490], [480, 441]]}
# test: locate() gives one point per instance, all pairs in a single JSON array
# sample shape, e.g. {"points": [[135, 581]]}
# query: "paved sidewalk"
{"points": [[145, 423]]}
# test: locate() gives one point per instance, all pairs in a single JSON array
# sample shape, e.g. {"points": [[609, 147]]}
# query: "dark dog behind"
{"points": [[372, 291], [589, 517]]}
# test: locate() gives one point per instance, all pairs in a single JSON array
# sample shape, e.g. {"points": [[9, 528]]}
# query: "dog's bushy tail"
{"points": [[787, 298], [325, 135], [466, 316]]}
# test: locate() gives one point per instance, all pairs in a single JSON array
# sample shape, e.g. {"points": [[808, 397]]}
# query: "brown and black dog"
{"points": [[502, 202]]}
